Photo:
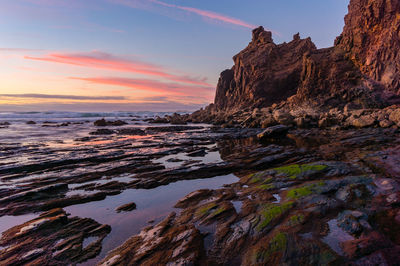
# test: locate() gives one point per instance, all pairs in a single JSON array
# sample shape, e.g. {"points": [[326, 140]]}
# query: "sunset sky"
{"points": [[130, 55]]}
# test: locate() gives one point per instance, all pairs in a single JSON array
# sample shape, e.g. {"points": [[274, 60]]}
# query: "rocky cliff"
{"points": [[371, 40], [363, 67], [263, 73]]}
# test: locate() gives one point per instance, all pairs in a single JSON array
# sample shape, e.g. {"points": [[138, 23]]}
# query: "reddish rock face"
{"points": [[371, 39], [263, 73], [364, 60]]}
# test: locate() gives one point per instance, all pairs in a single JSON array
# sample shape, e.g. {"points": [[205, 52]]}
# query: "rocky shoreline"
{"points": [[302, 117], [332, 201], [295, 163], [335, 188]]}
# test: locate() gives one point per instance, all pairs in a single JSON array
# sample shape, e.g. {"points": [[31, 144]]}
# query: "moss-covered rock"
{"points": [[274, 250], [259, 177], [296, 219], [304, 191], [272, 212], [203, 210], [295, 171], [266, 186]]}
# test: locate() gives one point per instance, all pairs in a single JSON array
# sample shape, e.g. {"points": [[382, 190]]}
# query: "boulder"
{"points": [[267, 121], [394, 116], [273, 132], [104, 123], [100, 123], [283, 117], [327, 122], [362, 121]]}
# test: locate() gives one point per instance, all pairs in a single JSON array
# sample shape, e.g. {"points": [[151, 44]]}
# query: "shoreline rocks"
{"points": [[52, 238], [275, 131], [126, 207], [104, 123]]}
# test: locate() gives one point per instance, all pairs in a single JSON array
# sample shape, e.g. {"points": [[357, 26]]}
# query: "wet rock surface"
{"points": [[52, 239], [327, 206], [126, 207], [334, 187]]}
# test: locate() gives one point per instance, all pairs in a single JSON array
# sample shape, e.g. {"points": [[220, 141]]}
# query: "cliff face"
{"points": [[365, 57], [371, 39], [263, 73]]}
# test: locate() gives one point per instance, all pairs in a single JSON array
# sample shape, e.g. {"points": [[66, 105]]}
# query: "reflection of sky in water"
{"points": [[7, 222], [22, 144], [277, 197], [210, 157], [238, 205], [153, 204], [336, 236], [89, 240]]}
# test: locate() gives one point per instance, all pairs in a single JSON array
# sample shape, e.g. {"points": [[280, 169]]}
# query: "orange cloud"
{"points": [[107, 61], [150, 85]]}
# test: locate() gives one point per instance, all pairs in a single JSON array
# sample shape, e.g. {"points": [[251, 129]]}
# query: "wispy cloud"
{"points": [[6, 49], [107, 61], [208, 14], [64, 97], [149, 85]]}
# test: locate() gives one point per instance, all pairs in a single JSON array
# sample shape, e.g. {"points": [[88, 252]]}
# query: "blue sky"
{"points": [[95, 47]]}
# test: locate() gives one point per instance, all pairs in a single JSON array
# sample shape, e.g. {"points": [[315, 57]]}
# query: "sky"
{"points": [[139, 55]]}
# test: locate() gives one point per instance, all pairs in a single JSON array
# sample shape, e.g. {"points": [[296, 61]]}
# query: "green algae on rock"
{"points": [[304, 191], [277, 244], [271, 212], [295, 171]]}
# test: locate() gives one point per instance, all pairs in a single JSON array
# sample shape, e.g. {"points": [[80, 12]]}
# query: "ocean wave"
{"points": [[77, 115]]}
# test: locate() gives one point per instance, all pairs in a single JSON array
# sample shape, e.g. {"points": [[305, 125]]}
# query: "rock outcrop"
{"points": [[264, 72], [371, 40], [362, 68], [52, 239]]}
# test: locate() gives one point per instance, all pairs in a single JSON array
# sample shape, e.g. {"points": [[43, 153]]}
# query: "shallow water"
{"points": [[32, 156], [336, 236], [237, 204], [152, 205], [6, 222]]}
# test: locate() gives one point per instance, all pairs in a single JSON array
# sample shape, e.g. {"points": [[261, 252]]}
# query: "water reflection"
{"points": [[154, 204]]}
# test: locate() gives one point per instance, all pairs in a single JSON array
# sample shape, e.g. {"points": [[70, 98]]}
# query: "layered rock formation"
{"points": [[364, 61], [263, 73], [371, 39]]}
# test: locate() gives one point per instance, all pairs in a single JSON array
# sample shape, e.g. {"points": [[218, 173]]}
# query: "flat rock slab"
{"points": [[52, 239]]}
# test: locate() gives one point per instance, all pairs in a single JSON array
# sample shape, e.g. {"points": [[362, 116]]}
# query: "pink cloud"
{"points": [[107, 61], [150, 85], [208, 14], [146, 5]]}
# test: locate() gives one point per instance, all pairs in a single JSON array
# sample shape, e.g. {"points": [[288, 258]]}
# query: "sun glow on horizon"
{"points": [[143, 53]]}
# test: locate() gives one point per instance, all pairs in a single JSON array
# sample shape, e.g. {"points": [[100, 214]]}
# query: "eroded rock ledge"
{"points": [[52, 239]]}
